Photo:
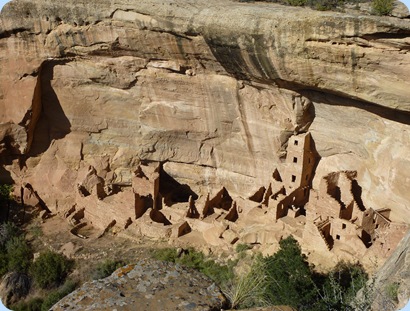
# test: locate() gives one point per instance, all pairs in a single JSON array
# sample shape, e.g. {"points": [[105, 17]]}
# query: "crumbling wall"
{"points": [[343, 230]]}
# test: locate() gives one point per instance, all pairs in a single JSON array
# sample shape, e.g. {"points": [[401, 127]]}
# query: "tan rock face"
{"points": [[212, 88]]}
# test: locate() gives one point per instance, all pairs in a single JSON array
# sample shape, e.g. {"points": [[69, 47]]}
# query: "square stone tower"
{"points": [[300, 162]]}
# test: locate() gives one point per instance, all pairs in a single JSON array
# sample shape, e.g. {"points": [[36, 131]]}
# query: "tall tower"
{"points": [[300, 162]]}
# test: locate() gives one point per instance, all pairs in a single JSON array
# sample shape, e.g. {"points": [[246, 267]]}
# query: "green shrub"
{"points": [[382, 7], [165, 254], [15, 255], [295, 2], [5, 192], [106, 268], [4, 267], [36, 231], [289, 276], [341, 286], [44, 304], [50, 300], [8, 230], [321, 5], [241, 247], [33, 304], [392, 291], [57, 295], [248, 290], [18, 254], [50, 269], [220, 274], [324, 5]]}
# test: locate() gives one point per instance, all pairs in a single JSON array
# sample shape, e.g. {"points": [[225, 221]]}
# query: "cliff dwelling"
{"points": [[233, 125], [332, 218]]}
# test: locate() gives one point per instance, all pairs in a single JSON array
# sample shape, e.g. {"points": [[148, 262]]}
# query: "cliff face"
{"points": [[396, 270], [211, 88]]}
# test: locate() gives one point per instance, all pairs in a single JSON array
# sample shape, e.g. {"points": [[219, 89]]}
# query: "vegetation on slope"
{"points": [[21, 274], [285, 278], [221, 274]]}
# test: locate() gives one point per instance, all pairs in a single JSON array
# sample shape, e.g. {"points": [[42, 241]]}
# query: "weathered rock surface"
{"points": [[213, 89], [395, 272], [147, 285], [13, 287]]}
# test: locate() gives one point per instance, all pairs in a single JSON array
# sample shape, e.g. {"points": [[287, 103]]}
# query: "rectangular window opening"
{"points": [[337, 237], [295, 160], [343, 226], [296, 142], [293, 178]]}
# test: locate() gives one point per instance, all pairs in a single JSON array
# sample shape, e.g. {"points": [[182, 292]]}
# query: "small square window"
{"points": [[337, 237], [295, 160], [293, 178], [296, 142], [343, 226]]}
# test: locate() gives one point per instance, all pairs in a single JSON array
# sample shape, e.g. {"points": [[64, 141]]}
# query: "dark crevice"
{"points": [[52, 123], [172, 191], [386, 35], [131, 84], [5, 175], [32, 74], [330, 97], [41, 203], [357, 194], [13, 32], [391, 114], [170, 32]]}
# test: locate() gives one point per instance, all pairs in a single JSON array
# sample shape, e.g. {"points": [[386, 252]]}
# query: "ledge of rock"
{"points": [[147, 285]]}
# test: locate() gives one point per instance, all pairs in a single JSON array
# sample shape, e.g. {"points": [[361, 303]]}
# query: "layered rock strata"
{"points": [[211, 89]]}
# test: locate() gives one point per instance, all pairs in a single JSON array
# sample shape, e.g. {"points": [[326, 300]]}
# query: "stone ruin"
{"points": [[157, 206], [339, 217]]}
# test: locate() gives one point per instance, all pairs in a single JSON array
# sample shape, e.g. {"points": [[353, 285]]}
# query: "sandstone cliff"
{"points": [[213, 89], [396, 270]]}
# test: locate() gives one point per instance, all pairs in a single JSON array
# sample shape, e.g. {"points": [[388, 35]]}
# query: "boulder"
{"points": [[147, 285]]}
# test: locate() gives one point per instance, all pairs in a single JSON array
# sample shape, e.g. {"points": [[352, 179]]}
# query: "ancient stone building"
{"points": [[300, 161], [156, 205], [295, 178], [339, 215]]}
